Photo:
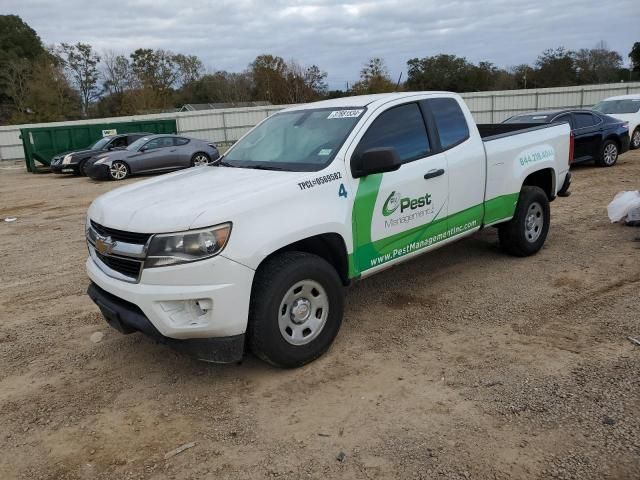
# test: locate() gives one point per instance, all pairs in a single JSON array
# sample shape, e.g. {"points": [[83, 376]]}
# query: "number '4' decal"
{"points": [[342, 192]]}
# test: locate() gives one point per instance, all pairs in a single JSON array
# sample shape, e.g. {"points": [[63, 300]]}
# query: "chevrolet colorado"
{"points": [[254, 253]]}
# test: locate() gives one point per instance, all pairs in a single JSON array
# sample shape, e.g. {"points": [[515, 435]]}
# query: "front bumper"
{"points": [[204, 299], [97, 172], [60, 168], [128, 318]]}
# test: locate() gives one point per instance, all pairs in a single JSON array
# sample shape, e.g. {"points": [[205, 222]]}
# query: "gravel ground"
{"points": [[463, 364]]}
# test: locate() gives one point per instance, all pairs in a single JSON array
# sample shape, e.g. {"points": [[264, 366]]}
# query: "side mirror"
{"points": [[143, 148], [110, 147], [375, 160]]}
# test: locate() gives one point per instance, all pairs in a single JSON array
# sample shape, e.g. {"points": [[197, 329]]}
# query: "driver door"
{"points": [[401, 212]]}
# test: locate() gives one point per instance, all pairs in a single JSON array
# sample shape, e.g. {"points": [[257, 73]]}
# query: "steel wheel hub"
{"points": [[534, 222], [610, 154], [303, 312]]}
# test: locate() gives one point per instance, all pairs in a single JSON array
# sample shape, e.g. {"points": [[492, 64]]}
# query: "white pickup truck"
{"points": [[254, 252]]}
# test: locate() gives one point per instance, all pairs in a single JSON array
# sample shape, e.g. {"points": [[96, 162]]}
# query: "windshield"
{"points": [[138, 143], [529, 119], [302, 140], [618, 106], [100, 144]]}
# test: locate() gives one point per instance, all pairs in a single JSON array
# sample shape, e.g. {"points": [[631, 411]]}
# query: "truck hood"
{"points": [[193, 198]]}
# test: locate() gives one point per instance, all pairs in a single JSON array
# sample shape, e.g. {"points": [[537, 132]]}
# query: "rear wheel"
{"points": [[297, 302], [608, 154], [199, 159], [635, 138], [526, 232], [119, 170]]}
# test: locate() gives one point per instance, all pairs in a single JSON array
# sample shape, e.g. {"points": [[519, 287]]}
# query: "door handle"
{"points": [[434, 173]]}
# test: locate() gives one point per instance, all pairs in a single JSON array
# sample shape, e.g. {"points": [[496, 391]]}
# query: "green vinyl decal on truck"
{"points": [[369, 253]]}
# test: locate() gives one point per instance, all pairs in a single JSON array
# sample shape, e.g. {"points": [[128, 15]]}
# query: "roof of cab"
{"points": [[360, 100], [631, 96]]}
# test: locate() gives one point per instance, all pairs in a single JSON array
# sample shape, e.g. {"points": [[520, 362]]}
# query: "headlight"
{"points": [[101, 160], [185, 247], [66, 160]]}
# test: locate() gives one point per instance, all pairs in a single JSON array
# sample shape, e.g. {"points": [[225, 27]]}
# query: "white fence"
{"points": [[227, 125]]}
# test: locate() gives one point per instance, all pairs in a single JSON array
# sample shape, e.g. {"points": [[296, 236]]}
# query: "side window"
{"points": [[178, 141], [153, 144], [583, 120], [133, 138], [166, 142], [450, 121], [119, 142], [401, 128]]}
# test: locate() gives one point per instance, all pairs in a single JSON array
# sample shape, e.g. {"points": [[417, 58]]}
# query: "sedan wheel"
{"points": [[200, 159], [635, 139], [119, 170], [610, 154]]}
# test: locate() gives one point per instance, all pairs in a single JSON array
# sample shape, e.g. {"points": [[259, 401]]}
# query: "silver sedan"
{"points": [[152, 154]]}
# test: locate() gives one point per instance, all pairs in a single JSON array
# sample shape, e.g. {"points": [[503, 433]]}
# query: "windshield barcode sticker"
{"points": [[345, 113]]}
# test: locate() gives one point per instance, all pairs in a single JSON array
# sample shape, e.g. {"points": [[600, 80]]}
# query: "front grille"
{"points": [[129, 268], [120, 236]]}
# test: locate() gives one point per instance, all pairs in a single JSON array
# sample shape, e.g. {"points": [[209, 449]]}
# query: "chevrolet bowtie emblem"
{"points": [[104, 245]]}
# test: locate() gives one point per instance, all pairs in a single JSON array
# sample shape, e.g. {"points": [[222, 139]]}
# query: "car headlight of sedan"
{"points": [[66, 160], [189, 246], [102, 160]]}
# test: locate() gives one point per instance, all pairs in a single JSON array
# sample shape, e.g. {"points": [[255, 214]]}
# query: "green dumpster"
{"points": [[41, 144]]}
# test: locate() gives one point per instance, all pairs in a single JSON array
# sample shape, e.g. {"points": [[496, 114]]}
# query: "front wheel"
{"points": [[119, 170], [297, 302], [527, 231], [608, 155], [635, 138]]}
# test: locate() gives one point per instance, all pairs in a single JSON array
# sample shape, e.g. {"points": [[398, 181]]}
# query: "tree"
{"points": [[116, 73], [374, 78], [45, 94], [189, 67], [634, 56], [270, 79], [316, 80], [81, 64], [443, 72], [556, 68], [20, 46], [597, 65]]}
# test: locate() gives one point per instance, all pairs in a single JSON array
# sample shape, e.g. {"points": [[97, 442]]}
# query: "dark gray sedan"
{"points": [[152, 154]]}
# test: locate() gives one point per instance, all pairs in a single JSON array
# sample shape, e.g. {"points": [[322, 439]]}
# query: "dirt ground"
{"points": [[463, 364]]}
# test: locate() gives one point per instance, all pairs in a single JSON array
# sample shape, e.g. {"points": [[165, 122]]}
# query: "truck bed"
{"points": [[492, 131]]}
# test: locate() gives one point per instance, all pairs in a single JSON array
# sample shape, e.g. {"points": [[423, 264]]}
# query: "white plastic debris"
{"points": [[625, 206], [10, 219]]}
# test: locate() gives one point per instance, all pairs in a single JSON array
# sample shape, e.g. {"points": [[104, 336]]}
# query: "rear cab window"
{"points": [[401, 128], [179, 141], [449, 120]]}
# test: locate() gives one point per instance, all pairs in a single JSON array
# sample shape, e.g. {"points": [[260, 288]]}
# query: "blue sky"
{"points": [[335, 35]]}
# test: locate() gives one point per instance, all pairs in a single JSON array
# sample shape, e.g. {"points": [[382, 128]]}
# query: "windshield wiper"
{"points": [[263, 166]]}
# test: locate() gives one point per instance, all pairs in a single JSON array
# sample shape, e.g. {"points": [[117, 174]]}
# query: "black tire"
{"points": [[123, 168], [635, 139], [608, 154], [519, 237], [195, 158], [273, 282], [82, 167]]}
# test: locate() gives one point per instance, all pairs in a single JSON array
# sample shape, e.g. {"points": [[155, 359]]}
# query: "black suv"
{"points": [[74, 162], [597, 137]]}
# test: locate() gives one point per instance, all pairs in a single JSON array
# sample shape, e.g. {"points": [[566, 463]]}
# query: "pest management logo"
{"points": [[392, 204], [410, 209]]}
